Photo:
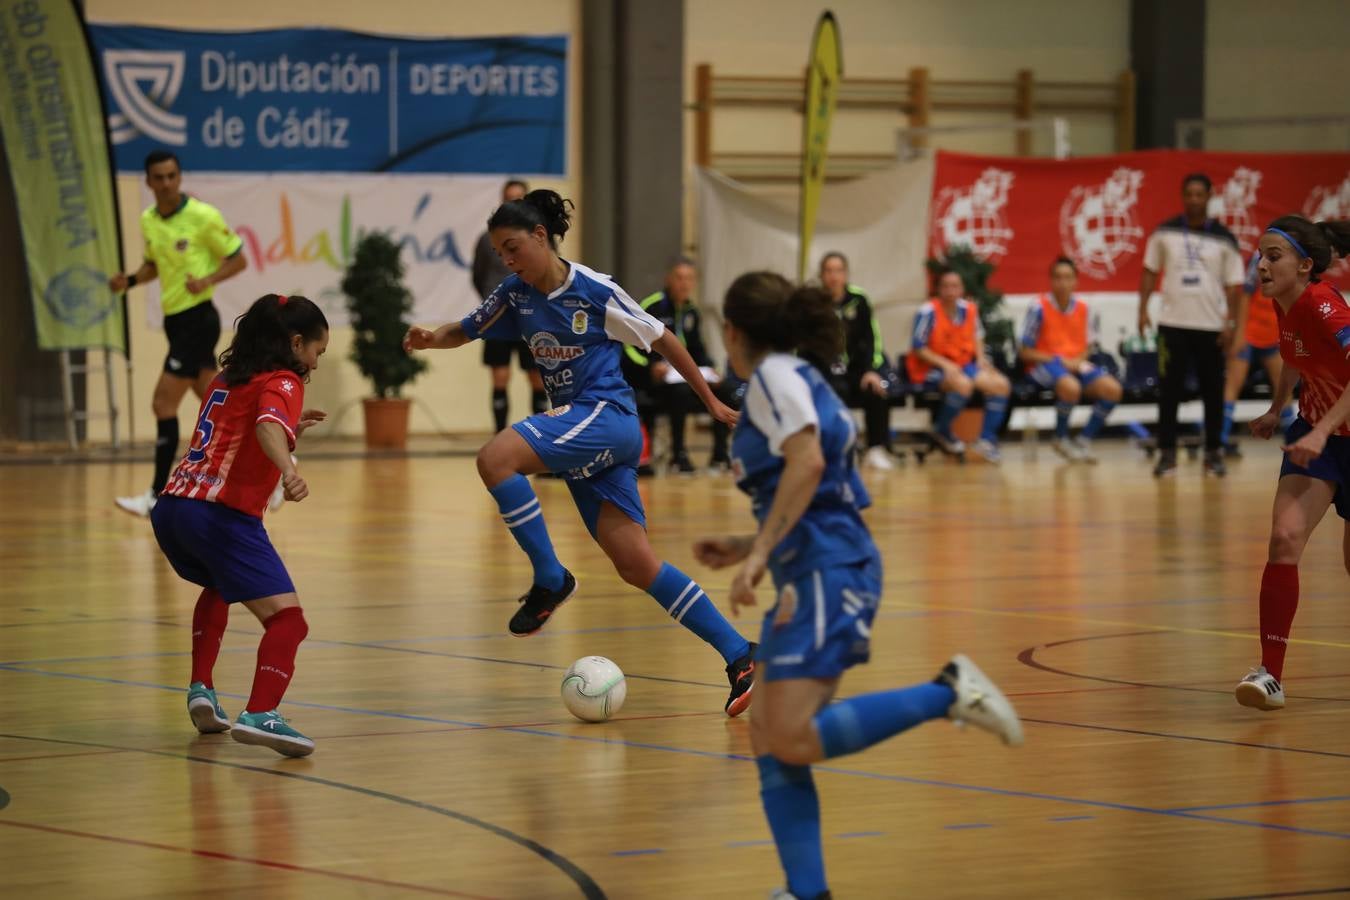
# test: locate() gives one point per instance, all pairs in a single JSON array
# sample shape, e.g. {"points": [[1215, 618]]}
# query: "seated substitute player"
{"points": [[1055, 350], [575, 321], [674, 306], [947, 352], [792, 453], [856, 373], [208, 519]]}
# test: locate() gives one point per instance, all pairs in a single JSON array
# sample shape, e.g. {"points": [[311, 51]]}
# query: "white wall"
{"points": [[1285, 59], [456, 387]]}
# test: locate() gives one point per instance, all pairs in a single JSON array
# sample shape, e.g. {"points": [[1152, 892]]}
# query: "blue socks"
{"points": [[995, 408], [1100, 410], [522, 514], [681, 596], [1063, 410], [859, 722], [952, 404], [789, 794], [793, 811], [1227, 428]]}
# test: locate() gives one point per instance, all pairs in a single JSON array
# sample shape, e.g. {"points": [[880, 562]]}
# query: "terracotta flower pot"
{"points": [[386, 422]]}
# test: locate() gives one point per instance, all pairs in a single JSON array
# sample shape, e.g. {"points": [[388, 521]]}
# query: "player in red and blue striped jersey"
{"points": [[208, 520], [1314, 322]]}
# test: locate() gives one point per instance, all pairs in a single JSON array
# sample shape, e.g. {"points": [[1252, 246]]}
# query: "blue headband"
{"points": [[1290, 238]]}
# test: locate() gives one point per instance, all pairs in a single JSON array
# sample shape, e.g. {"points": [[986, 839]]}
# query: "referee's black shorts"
{"points": [[193, 335], [498, 353]]}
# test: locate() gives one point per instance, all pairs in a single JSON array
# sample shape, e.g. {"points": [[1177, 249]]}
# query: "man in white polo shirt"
{"points": [[1201, 288]]}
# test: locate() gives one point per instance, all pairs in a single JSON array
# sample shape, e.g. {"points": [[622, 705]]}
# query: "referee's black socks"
{"points": [[166, 448]]}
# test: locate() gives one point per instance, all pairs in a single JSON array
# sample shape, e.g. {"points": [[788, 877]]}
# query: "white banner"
{"points": [[878, 221], [300, 232]]}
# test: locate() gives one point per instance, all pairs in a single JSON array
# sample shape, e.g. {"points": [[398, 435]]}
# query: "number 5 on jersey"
{"points": [[205, 427]]}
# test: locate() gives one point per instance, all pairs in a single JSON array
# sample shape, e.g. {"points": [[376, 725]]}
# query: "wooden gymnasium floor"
{"points": [[1117, 612]]}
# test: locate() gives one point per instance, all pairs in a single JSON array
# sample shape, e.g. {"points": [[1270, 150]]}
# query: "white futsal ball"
{"points": [[594, 689]]}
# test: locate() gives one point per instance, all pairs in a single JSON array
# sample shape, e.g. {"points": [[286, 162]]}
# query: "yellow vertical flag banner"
{"points": [[822, 90], [51, 119]]}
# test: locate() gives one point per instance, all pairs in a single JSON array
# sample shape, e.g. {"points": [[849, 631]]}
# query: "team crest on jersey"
{"points": [[181, 245], [579, 322], [1324, 309], [549, 353]]}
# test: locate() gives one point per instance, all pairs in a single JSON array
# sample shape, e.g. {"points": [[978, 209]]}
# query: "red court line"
{"points": [[229, 857]]}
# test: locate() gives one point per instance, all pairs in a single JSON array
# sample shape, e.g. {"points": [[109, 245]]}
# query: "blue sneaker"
{"points": [[205, 711], [268, 729]]}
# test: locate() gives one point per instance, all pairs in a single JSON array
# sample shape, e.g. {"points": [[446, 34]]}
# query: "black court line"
{"points": [[4, 798], [1027, 657], [587, 885]]}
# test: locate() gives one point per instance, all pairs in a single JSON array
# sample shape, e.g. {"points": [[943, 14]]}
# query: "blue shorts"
{"points": [[935, 375], [594, 446], [218, 547], [831, 629], [1250, 354], [1047, 373], [1333, 465]]}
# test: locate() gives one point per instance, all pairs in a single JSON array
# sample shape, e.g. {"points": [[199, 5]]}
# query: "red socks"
{"points": [[276, 658], [1279, 600], [208, 627]]}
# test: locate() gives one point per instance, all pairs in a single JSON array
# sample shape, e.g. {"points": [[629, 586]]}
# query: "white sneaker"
{"points": [[1260, 690], [988, 451], [138, 505], [278, 498], [954, 446], [980, 702], [879, 459], [1085, 451], [1066, 449]]}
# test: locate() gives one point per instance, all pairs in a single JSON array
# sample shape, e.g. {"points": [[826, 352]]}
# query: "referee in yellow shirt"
{"points": [[190, 249]]}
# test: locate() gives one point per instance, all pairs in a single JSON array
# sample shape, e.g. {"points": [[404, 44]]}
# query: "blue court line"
{"points": [[646, 852], [967, 827], [739, 758], [1080, 818], [1291, 802], [860, 834], [760, 843]]}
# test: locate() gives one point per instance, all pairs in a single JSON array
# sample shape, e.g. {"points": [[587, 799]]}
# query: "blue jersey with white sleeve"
{"points": [[786, 395], [574, 333]]}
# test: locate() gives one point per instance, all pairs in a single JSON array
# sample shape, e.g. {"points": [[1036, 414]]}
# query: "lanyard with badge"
{"points": [[1195, 260]]}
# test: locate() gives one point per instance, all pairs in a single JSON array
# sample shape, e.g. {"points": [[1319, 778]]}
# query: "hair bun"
{"points": [[554, 210]]}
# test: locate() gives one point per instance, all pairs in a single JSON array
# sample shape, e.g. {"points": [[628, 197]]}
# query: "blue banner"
{"points": [[320, 100]]}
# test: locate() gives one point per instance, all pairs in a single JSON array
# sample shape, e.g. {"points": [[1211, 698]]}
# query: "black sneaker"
{"points": [[1167, 463], [741, 674], [682, 464], [1214, 464], [539, 604]]}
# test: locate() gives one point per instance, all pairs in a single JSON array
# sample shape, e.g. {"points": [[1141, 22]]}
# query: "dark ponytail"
{"points": [[1322, 241], [262, 337], [537, 208], [774, 315]]}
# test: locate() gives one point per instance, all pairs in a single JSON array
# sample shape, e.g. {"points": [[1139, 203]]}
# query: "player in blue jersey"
{"points": [[792, 452], [575, 322]]}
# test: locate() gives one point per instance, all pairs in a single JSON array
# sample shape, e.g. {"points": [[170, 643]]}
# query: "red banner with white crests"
{"points": [[1020, 213]]}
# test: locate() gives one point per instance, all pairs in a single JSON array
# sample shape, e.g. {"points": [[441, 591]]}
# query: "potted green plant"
{"points": [[378, 305], [975, 272]]}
